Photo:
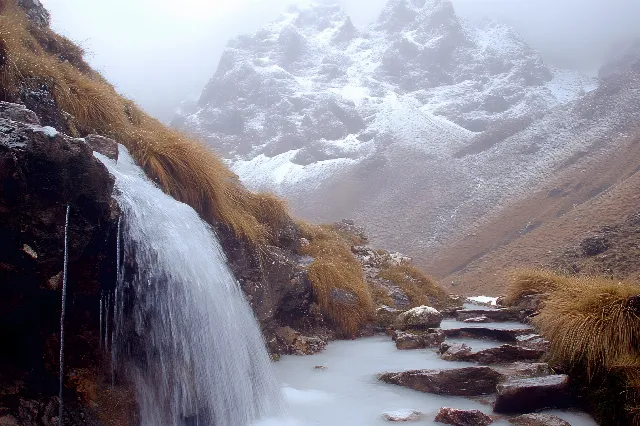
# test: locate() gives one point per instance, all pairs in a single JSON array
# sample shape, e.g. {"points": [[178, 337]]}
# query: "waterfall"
{"points": [[63, 309], [182, 329]]}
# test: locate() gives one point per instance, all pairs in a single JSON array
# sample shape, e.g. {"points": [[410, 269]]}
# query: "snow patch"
{"points": [[485, 300], [48, 130]]}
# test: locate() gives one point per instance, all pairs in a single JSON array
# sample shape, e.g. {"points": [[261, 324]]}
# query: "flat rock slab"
{"points": [[418, 340], [468, 381], [501, 355], [497, 315], [538, 420], [451, 416], [501, 335], [533, 394]]}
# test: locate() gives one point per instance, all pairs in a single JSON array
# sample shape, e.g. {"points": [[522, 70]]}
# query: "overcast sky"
{"points": [[159, 52]]}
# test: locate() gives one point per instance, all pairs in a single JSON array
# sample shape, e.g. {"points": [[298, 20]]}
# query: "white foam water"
{"points": [[183, 331]]}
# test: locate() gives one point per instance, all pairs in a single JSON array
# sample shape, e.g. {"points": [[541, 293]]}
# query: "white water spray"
{"points": [[63, 309], [183, 329]]}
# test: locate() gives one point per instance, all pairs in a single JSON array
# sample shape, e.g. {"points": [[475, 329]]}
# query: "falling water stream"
{"points": [[182, 328]]}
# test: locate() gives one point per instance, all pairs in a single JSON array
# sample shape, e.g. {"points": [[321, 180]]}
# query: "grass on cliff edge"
{"points": [[335, 267], [593, 324], [32, 57]]}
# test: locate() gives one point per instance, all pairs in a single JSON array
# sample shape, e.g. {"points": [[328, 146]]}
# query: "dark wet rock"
{"points": [[478, 320], [421, 317], [17, 112], [418, 340], [501, 335], [529, 305], [105, 146], [468, 381], [454, 352], [538, 419], [532, 394], [499, 355], [295, 343], [526, 369], [386, 316], [498, 315], [452, 416], [534, 341], [403, 416]]}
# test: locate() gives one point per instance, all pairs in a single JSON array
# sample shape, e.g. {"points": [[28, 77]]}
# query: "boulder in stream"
{"points": [[533, 394], [386, 316], [294, 343], [467, 381], [452, 416], [422, 317], [538, 419], [418, 340]]}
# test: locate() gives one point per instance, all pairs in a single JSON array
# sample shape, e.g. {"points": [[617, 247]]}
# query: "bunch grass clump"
{"points": [[335, 267], [528, 282], [33, 57], [421, 289]]}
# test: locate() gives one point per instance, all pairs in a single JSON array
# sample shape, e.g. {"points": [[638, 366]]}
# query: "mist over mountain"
{"points": [[182, 45]]}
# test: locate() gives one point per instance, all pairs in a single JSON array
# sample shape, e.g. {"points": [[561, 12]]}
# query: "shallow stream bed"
{"points": [[346, 392]]}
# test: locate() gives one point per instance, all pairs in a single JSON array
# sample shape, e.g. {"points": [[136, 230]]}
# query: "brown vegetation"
{"points": [[422, 290], [593, 324], [35, 57], [336, 269]]}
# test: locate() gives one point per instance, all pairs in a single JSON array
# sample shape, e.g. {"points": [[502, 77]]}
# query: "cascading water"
{"points": [[182, 328]]}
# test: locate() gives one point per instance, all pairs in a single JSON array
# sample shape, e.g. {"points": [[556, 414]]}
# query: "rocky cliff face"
{"points": [[408, 119]]}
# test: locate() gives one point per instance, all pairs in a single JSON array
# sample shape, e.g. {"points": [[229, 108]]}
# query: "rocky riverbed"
{"points": [[471, 378]]}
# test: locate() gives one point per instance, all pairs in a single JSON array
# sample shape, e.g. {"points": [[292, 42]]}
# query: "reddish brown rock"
{"points": [[452, 416], [501, 335], [468, 381]]}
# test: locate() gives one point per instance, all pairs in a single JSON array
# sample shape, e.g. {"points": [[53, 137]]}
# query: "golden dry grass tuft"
{"points": [[593, 324], [593, 321], [336, 272], [527, 282], [421, 289], [32, 57]]}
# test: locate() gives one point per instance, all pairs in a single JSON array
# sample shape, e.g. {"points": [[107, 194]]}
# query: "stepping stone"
{"points": [[501, 335], [403, 416], [468, 381], [533, 394], [452, 416], [498, 315]]}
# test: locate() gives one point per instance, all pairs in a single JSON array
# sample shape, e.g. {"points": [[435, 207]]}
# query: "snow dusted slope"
{"points": [[410, 125]]}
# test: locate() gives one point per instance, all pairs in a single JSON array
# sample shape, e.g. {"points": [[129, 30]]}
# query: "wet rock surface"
{"points": [[294, 343], [500, 355], [501, 335], [497, 315], [421, 317], [532, 394], [418, 339], [538, 420], [452, 416], [468, 381]]}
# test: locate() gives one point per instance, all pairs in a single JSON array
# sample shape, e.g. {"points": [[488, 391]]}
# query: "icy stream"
{"points": [[345, 392]]}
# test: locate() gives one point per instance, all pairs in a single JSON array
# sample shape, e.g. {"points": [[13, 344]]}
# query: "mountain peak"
{"points": [[400, 14]]}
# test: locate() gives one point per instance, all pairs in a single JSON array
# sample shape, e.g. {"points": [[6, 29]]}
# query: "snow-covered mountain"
{"points": [[417, 125]]}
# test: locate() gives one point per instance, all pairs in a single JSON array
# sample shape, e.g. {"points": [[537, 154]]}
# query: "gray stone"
{"points": [[468, 381], [533, 394]]}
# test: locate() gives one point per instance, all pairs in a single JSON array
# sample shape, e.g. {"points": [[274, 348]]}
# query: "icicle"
{"points": [[106, 323], [63, 309], [101, 309], [113, 332]]}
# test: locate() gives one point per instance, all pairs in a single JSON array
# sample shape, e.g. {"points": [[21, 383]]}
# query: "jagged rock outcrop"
{"points": [[407, 115], [41, 173]]}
